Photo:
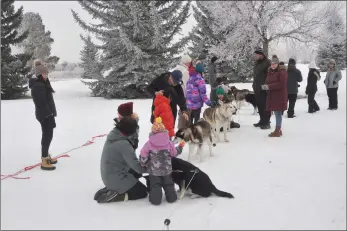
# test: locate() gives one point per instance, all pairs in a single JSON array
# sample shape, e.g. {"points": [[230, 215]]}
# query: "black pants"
{"points": [[264, 115], [156, 185], [47, 127], [139, 191], [292, 101], [312, 104], [173, 109], [195, 116], [332, 94]]}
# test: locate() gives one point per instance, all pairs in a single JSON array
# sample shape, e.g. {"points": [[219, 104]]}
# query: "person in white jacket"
{"points": [[183, 66]]}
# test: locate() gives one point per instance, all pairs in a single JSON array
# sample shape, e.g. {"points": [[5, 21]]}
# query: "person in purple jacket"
{"points": [[196, 93]]}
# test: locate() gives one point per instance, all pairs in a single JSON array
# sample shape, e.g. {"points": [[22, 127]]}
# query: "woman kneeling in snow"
{"points": [[120, 168]]}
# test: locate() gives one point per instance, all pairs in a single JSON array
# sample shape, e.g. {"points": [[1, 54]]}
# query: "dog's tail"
{"points": [[222, 194]]}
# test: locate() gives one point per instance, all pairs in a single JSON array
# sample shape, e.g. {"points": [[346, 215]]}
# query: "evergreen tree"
{"points": [[89, 58], [333, 46], [137, 42], [13, 67], [39, 41]]}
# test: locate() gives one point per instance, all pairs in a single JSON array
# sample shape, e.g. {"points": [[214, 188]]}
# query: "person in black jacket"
{"points": [[294, 77], [45, 111], [311, 88], [169, 82]]}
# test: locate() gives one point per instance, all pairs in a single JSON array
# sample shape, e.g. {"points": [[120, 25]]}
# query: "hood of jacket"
{"points": [[159, 140], [116, 135], [159, 99]]}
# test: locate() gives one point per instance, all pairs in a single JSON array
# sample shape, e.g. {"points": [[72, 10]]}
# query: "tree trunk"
{"points": [[266, 48]]}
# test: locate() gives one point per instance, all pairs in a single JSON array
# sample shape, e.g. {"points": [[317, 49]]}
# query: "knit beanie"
{"points": [[125, 109], [158, 126], [200, 68], [220, 91], [185, 59], [39, 68], [214, 59], [259, 51], [127, 125], [177, 76], [275, 59], [292, 61]]}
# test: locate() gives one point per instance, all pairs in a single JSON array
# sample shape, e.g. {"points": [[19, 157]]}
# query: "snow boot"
{"points": [[276, 133], [46, 164], [265, 126], [53, 161]]}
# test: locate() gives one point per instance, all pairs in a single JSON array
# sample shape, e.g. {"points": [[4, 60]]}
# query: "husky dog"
{"points": [[244, 95], [220, 117], [196, 135]]}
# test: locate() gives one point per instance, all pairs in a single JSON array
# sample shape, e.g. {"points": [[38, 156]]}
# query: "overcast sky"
{"points": [[57, 17]]}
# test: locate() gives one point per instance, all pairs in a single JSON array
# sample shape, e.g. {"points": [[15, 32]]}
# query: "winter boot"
{"points": [[46, 164], [53, 161], [276, 133], [265, 126]]}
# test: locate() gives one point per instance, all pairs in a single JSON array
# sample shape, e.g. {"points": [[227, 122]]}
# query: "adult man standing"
{"points": [[212, 76], [183, 66], [293, 79], [170, 82], [259, 76]]}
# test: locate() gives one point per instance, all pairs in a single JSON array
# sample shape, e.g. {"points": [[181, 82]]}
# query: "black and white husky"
{"points": [[196, 135]]}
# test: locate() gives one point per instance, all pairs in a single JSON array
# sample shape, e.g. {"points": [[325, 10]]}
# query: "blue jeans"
{"points": [[278, 116]]}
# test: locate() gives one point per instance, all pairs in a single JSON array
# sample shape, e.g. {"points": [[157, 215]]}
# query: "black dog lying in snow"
{"points": [[201, 184]]}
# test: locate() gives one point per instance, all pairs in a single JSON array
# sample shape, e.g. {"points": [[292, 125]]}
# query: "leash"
{"points": [[64, 154], [167, 221]]}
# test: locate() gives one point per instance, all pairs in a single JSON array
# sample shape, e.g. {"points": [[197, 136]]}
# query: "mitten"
{"points": [[334, 82], [135, 174], [265, 87], [182, 144], [179, 148]]}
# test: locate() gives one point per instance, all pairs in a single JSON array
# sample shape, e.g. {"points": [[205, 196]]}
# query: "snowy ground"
{"points": [[294, 182]]}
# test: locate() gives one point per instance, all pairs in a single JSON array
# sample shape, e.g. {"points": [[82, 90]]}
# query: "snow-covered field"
{"points": [[297, 181]]}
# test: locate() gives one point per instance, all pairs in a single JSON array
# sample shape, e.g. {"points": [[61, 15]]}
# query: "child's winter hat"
{"points": [[275, 59], [200, 68], [39, 68], [125, 109], [158, 126], [220, 91]]}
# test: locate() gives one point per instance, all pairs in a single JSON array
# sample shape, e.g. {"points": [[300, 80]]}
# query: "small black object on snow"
{"points": [[167, 222]]}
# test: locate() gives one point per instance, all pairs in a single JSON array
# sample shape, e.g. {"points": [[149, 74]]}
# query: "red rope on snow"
{"points": [[64, 154]]}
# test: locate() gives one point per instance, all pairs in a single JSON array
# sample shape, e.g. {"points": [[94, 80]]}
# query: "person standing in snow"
{"points": [[45, 111], [212, 76], [196, 93], [311, 88], [171, 82], [163, 110], [124, 110], [294, 77], [259, 77], [156, 157], [277, 96], [331, 81], [184, 66], [119, 166]]}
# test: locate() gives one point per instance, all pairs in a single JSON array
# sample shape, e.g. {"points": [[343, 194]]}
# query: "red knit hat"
{"points": [[125, 109]]}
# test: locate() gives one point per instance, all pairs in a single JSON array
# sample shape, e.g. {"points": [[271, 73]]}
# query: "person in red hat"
{"points": [[126, 110]]}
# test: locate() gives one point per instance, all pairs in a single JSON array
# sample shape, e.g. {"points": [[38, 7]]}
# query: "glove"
{"points": [[334, 82], [182, 144], [135, 174], [265, 87]]}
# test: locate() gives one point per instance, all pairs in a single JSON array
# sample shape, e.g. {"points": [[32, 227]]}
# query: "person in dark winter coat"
{"points": [[124, 110], [311, 88], [277, 97], [119, 166], [331, 81], [196, 93], [259, 77], [45, 111], [212, 76], [171, 82], [294, 78], [156, 157]]}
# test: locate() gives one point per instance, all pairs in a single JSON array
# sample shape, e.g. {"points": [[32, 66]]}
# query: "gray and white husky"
{"points": [[196, 135], [220, 117]]}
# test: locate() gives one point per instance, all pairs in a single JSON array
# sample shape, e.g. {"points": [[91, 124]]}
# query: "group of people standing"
{"points": [[275, 85]]}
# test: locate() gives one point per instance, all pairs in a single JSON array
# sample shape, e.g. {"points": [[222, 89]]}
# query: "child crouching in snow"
{"points": [[156, 156], [163, 110]]}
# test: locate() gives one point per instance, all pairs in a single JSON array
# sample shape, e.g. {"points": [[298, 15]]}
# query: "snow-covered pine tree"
{"points": [[137, 42], [39, 41], [333, 45], [89, 60], [13, 67]]}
